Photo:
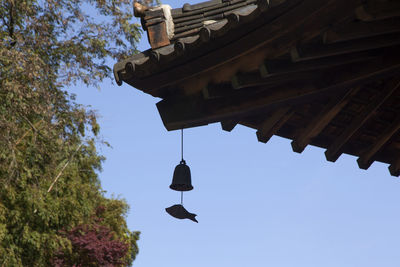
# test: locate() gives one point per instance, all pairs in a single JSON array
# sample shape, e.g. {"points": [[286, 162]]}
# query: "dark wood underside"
{"points": [[330, 77]]}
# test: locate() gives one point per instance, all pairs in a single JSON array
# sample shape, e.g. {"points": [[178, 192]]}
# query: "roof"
{"points": [[325, 73], [196, 30]]}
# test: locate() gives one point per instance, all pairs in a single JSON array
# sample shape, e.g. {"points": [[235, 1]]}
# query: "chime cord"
{"points": [[182, 198], [182, 160], [182, 143]]}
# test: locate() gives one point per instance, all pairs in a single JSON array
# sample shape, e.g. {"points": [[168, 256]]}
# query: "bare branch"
{"points": [[63, 168]]}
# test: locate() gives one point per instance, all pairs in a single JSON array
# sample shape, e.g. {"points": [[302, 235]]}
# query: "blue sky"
{"points": [[257, 204]]}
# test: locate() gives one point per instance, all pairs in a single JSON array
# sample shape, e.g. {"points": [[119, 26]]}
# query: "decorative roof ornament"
{"points": [[139, 9], [165, 25]]}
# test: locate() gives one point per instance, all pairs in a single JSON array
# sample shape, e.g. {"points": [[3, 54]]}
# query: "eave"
{"points": [[322, 73]]}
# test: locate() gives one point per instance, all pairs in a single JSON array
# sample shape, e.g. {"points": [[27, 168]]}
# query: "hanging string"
{"points": [[182, 143], [182, 160]]}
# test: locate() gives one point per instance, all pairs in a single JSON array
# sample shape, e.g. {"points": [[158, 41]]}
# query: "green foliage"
{"points": [[45, 137]]}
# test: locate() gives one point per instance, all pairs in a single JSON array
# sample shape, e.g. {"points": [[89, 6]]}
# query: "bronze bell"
{"points": [[182, 180]]}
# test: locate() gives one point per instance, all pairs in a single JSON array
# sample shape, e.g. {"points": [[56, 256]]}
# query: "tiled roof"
{"points": [[195, 26]]}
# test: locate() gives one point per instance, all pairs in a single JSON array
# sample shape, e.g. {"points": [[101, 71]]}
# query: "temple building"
{"points": [[322, 73]]}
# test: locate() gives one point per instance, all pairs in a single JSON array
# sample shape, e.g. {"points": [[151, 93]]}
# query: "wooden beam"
{"points": [[315, 51], [378, 10], [271, 3], [271, 67], [195, 111], [320, 121], [358, 30], [280, 71], [228, 125], [212, 91], [272, 124], [276, 67], [335, 149], [366, 159], [251, 79], [394, 168]]}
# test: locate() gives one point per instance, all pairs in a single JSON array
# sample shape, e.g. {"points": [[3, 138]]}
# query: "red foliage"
{"points": [[93, 245]]}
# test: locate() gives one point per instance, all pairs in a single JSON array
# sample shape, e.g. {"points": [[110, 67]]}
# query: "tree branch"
{"points": [[23, 136], [29, 122], [11, 25], [63, 168]]}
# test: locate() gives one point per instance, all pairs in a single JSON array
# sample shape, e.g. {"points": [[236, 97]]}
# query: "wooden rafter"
{"points": [[273, 123], [228, 125], [336, 148], [365, 160], [319, 122], [394, 168]]}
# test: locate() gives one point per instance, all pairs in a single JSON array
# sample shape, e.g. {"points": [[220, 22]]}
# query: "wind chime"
{"points": [[181, 181]]}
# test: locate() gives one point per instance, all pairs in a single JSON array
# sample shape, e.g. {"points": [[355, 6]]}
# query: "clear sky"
{"points": [[257, 204]]}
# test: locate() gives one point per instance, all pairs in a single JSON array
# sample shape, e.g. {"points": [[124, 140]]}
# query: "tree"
{"points": [[93, 245], [48, 158]]}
